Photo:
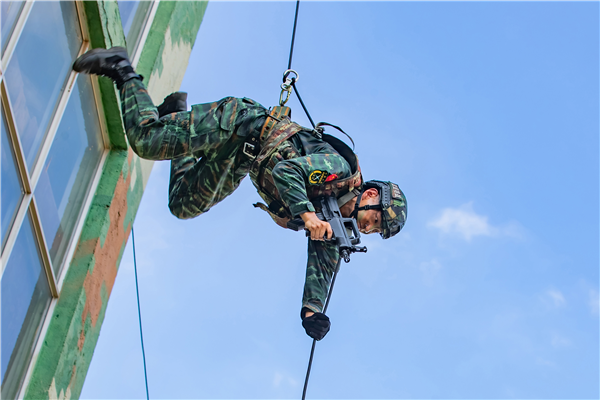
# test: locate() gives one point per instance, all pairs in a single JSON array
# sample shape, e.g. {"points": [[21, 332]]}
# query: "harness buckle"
{"points": [[250, 150]]}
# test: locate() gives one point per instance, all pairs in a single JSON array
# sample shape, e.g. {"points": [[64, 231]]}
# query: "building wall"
{"points": [[69, 330]]}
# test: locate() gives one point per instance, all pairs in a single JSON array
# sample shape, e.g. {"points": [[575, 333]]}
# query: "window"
{"points": [[25, 299], [69, 169], [134, 14], [9, 12], [12, 191], [37, 72], [51, 151]]}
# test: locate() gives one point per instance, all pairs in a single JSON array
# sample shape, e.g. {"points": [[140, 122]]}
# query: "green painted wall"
{"points": [[59, 369]]}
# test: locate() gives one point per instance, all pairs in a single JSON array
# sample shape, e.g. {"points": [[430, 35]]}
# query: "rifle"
{"points": [[345, 230]]}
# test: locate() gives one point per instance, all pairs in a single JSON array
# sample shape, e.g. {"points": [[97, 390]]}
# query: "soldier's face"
{"points": [[369, 221]]}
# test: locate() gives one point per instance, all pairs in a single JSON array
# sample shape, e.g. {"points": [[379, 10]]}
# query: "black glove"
{"points": [[317, 325]]}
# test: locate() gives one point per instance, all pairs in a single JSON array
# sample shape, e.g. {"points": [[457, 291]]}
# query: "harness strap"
{"points": [[319, 131], [347, 197], [276, 114], [252, 146]]}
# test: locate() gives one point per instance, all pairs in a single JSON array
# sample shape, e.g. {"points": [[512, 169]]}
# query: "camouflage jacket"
{"points": [[289, 174]]}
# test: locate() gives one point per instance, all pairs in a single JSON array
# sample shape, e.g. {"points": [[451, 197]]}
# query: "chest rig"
{"points": [[275, 147]]}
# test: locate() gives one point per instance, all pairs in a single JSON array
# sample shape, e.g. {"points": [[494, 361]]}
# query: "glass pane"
{"points": [[9, 12], [38, 69], [25, 300], [127, 10], [67, 175], [133, 17], [11, 187]]}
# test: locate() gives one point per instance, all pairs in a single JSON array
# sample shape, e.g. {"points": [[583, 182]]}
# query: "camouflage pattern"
{"points": [[394, 215], [203, 145], [322, 261], [294, 177], [207, 164]]}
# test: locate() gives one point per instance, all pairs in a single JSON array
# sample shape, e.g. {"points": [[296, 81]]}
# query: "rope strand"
{"points": [[139, 312], [290, 65], [314, 342], [312, 349], [302, 103], [293, 35]]}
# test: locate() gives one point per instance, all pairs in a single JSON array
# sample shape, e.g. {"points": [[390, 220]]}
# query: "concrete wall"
{"points": [[62, 359]]}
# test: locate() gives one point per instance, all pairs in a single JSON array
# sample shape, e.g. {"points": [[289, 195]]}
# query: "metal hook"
{"points": [[287, 84]]}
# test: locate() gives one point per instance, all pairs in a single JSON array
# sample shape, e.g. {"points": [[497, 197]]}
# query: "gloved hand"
{"points": [[317, 325]]}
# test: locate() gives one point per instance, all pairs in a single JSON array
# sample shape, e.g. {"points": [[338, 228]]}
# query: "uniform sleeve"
{"points": [[322, 261], [291, 177]]}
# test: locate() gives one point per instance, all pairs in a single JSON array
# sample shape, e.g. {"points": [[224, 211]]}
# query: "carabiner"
{"points": [[289, 92], [286, 86]]}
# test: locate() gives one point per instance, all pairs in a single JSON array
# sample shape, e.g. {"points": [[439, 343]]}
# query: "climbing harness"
{"points": [[137, 292]]}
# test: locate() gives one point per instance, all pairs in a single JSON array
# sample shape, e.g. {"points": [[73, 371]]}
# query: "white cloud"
{"points": [[594, 302], [468, 224], [464, 221], [557, 297]]}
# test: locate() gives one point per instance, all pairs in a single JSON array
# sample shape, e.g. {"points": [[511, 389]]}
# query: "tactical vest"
{"points": [[276, 147]]}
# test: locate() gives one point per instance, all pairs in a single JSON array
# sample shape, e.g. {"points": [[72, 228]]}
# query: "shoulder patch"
{"points": [[317, 177]]}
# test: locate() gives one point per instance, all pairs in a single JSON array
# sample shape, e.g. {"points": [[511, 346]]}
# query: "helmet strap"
{"points": [[357, 207]]}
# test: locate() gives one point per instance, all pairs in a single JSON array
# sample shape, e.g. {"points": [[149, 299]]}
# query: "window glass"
{"points": [[9, 12], [25, 300], [39, 68], [11, 187], [127, 10], [69, 169], [133, 16]]}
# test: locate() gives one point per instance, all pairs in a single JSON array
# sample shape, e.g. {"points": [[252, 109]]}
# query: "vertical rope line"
{"points": [[293, 35], [314, 342], [290, 64], [302, 103], [137, 291]]}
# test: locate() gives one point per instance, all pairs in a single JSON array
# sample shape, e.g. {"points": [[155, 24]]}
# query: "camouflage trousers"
{"points": [[204, 145]]}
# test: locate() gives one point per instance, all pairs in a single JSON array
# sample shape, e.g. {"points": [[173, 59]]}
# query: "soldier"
{"points": [[215, 145]]}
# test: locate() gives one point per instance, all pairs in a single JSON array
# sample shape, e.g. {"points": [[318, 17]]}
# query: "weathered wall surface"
{"points": [[60, 367]]}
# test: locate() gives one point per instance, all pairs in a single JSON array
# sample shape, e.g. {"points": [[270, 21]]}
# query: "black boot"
{"points": [[113, 63], [175, 102]]}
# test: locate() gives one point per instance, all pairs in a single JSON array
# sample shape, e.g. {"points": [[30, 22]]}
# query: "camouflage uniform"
{"points": [[208, 164]]}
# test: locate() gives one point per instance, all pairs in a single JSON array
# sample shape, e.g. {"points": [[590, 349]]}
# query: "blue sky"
{"points": [[486, 115]]}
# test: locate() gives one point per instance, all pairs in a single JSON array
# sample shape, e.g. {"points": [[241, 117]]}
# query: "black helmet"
{"points": [[392, 204]]}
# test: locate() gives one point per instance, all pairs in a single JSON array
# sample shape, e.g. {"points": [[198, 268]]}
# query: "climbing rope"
{"points": [[314, 342], [293, 35], [288, 84], [139, 312]]}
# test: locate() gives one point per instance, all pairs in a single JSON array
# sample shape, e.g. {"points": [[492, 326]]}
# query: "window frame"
{"points": [[29, 179], [28, 200]]}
